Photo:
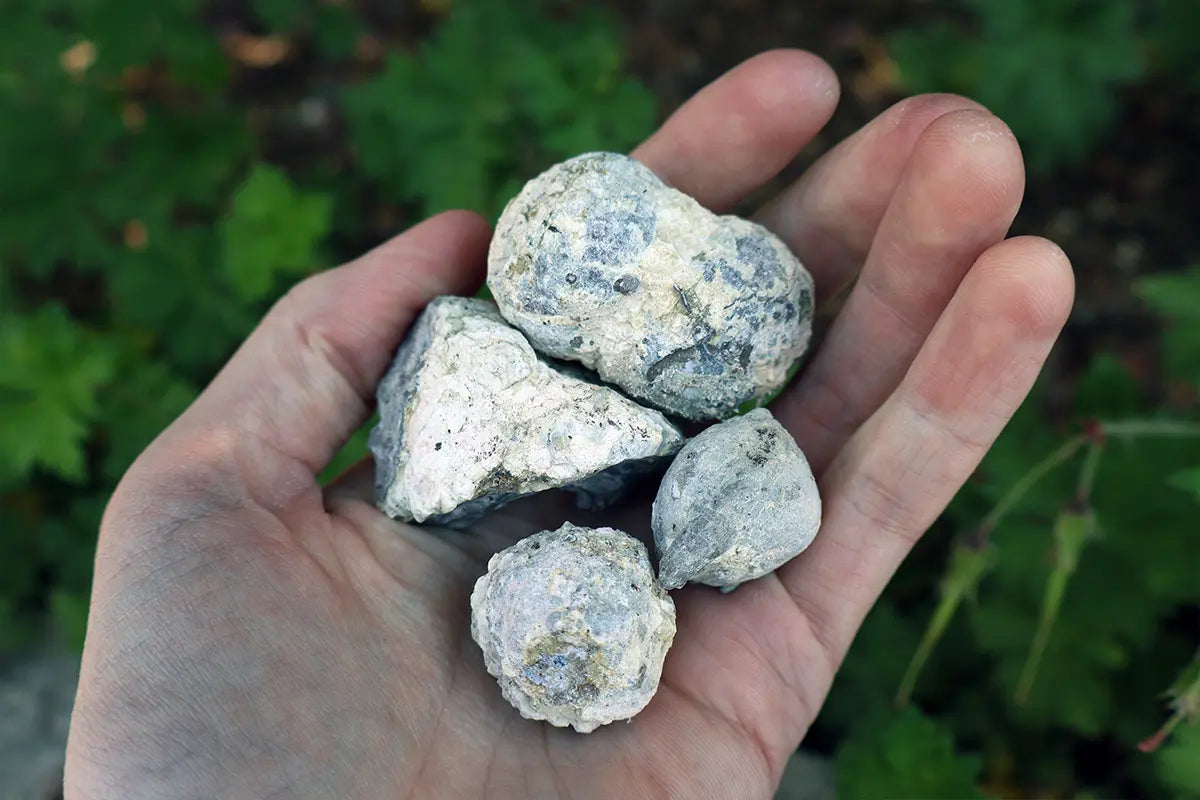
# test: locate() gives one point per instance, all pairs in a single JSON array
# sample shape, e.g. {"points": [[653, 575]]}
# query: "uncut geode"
{"points": [[471, 418], [573, 626], [737, 502], [598, 261]]}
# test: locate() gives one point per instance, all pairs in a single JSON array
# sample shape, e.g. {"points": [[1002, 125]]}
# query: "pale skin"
{"points": [[252, 635]]}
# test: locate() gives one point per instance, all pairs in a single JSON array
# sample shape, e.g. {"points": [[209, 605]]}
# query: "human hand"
{"points": [[252, 635]]}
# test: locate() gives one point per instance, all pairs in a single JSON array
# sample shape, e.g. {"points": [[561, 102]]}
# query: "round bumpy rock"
{"points": [[598, 261], [573, 626], [738, 501]]}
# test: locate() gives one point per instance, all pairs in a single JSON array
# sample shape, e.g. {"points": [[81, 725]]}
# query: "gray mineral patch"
{"points": [[598, 261], [471, 418], [573, 626], [738, 502]]}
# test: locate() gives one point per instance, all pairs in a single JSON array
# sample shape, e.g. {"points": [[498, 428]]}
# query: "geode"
{"points": [[738, 501], [470, 418], [573, 626], [598, 261]]}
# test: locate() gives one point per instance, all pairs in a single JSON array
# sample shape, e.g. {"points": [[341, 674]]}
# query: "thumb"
{"points": [[304, 379]]}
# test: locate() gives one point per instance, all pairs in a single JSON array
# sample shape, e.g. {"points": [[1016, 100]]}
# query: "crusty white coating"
{"points": [[471, 418], [598, 261], [573, 626]]}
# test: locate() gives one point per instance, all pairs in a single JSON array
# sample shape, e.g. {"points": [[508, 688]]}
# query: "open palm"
{"points": [[253, 635]]}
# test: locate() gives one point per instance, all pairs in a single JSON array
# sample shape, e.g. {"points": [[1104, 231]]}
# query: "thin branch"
{"points": [[1018, 490]]}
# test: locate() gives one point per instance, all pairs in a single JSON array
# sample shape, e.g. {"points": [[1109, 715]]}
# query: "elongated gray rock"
{"points": [[573, 626], [471, 418], [738, 502], [598, 261]]}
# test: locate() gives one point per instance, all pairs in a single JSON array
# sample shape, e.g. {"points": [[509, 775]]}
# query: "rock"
{"points": [[808, 776], [573, 626], [598, 261], [738, 501], [471, 418], [37, 692]]}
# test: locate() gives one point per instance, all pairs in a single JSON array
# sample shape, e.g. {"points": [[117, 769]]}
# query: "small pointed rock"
{"points": [[471, 418], [738, 502]]}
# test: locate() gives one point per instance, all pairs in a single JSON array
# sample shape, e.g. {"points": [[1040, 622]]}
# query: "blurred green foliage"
{"points": [[1052, 69], [151, 215], [145, 228], [271, 229], [1176, 296], [1119, 640], [427, 133], [1179, 762], [909, 756], [53, 371]]}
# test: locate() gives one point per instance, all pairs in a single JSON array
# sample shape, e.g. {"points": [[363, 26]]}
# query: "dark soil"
{"points": [[1126, 212]]}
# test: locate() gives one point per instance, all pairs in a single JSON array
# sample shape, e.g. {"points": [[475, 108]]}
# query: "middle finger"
{"points": [[957, 197]]}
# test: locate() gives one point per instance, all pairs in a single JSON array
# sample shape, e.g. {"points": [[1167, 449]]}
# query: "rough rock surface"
{"points": [[471, 418], [37, 692], [738, 501], [598, 261], [808, 776], [573, 626]]}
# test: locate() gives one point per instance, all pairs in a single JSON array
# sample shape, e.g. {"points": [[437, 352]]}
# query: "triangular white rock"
{"points": [[471, 418]]}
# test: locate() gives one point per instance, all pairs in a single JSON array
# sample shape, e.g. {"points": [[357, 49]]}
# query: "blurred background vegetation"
{"points": [[168, 167]]}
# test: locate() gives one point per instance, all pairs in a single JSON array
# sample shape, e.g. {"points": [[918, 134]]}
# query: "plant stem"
{"points": [[971, 561], [1076, 525], [1027, 481], [968, 565], [1169, 428], [1087, 475], [1051, 602], [1185, 702], [1151, 744], [1072, 530]]}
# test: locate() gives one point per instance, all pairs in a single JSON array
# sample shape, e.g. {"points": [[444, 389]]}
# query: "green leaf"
{"points": [[46, 552], [863, 687], [142, 33], [910, 755], [1073, 529], [336, 31], [554, 87], [69, 611], [1188, 480], [53, 370], [65, 542], [1172, 39], [1049, 68], [1178, 761], [1175, 295], [272, 229], [1136, 574], [281, 15], [350, 453], [1107, 389], [195, 316], [176, 159], [138, 408]]}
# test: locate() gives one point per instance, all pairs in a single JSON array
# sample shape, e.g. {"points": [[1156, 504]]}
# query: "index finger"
{"points": [[743, 128]]}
